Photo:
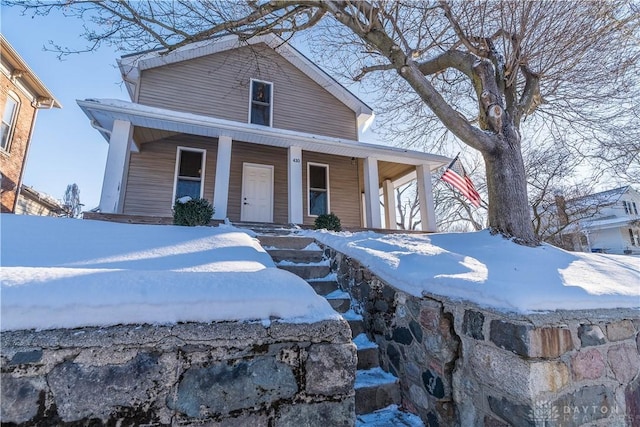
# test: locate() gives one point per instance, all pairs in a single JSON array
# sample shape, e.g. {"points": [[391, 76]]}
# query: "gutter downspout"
{"points": [[95, 125], [24, 160]]}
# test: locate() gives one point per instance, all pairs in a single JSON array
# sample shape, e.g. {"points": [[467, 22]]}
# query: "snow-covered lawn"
{"points": [[71, 273], [494, 272]]}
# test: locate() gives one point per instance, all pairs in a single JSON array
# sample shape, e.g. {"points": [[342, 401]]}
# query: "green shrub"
{"points": [[192, 212], [329, 222]]}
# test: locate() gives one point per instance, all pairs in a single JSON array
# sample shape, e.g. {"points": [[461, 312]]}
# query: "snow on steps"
{"points": [[295, 255], [285, 242], [391, 416], [368, 356], [339, 300], [375, 389]]}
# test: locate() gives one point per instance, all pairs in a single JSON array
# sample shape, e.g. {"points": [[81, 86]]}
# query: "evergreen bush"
{"points": [[329, 222], [192, 212]]}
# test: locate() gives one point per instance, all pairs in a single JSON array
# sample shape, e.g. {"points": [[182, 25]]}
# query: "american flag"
{"points": [[456, 176]]}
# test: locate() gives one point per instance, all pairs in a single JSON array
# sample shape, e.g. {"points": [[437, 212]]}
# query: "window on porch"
{"points": [[189, 173], [318, 185]]}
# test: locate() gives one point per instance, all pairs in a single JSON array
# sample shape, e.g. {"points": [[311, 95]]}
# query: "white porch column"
{"points": [[425, 195], [115, 171], [223, 170], [372, 193], [389, 197], [294, 172]]}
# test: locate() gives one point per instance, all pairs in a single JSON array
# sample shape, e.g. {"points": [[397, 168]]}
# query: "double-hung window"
{"points": [[633, 237], [318, 185], [9, 121], [261, 107], [630, 208], [189, 175]]}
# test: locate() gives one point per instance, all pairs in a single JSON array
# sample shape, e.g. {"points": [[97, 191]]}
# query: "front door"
{"points": [[257, 193]]}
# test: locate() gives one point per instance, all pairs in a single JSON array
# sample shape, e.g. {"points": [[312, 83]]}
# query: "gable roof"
{"points": [[602, 198], [18, 70], [131, 67]]}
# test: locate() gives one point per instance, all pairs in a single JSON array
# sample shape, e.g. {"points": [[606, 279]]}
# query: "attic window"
{"points": [[630, 208], [261, 107]]}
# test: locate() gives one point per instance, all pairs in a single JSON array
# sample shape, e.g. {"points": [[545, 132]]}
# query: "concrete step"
{"points": [[307, 271], [355, 322], [323, 287], [267, 228], [368, 353], [375, 389], [339, 300], [391, 416], [296, 255], [285, 242]]}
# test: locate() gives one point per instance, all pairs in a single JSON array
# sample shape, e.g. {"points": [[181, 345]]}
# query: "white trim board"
{"points": [[105, 111]]}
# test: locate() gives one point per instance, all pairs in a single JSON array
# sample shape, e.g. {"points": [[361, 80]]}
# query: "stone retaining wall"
{"points": [[463, 365], [220, 374]]}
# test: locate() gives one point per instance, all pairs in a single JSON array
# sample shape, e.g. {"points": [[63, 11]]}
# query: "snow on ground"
{"points": [[492, 271], [71, 273]]}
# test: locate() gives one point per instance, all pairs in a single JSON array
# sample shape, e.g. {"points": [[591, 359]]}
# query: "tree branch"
{"points": [[366, 70], [459, 32], [410, 71], [531, 98], [461, 61]]}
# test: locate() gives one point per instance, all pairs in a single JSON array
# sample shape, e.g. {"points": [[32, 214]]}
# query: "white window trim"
{"points": [[251, 101], [326, 166], [14, 120], [177, 169]]}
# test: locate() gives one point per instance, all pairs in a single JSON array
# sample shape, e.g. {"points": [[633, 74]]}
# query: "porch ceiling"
{"points": [[143, 135], [104, 112], [393, 171]]}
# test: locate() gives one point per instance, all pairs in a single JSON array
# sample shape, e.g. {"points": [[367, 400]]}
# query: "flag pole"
{"points": [[453, 161]]}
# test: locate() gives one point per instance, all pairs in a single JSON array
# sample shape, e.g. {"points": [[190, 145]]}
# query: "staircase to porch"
{"points": [[377, 393]]}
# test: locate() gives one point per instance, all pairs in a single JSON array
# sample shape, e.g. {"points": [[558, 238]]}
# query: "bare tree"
{"points": [[71, 201], [408, 204], [481, 68]]}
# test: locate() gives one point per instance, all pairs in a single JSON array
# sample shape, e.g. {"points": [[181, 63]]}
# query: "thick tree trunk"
{"points": [[507, 186]]}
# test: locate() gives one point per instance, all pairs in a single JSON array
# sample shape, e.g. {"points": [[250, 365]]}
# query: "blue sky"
{"points": [[64, 147]]}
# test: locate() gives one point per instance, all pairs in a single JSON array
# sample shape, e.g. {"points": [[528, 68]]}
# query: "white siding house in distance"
{"points": [[615, 227]]}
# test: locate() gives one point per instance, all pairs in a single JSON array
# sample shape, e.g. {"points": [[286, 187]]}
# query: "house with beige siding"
{"points": [[257, 129]]}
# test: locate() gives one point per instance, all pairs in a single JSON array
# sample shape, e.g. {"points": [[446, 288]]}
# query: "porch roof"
{"points": [[103, 112]]}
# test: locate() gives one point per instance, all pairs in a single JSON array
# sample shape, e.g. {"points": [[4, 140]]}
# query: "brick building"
{"points": [[22, 94]]}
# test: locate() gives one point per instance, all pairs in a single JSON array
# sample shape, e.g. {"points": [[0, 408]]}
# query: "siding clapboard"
{"points": [[218, 85], [344, 190], [151, 173]]}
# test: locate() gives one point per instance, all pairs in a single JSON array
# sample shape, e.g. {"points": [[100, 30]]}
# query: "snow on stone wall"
{"points": [[462, 364]]}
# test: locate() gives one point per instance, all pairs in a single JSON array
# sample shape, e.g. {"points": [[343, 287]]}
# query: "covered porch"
{"points": [[379, 169]]}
